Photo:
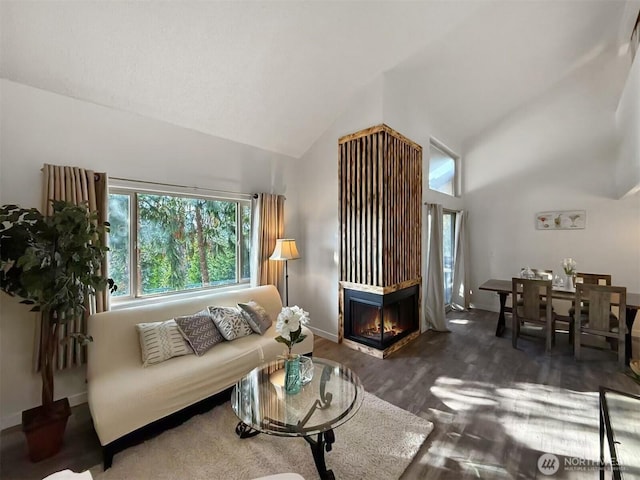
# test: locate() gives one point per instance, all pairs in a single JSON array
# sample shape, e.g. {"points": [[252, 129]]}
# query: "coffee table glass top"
{"points": [[621, 412], [332, 397]]}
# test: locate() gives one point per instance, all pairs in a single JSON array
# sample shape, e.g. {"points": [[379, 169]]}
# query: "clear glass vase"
{"points": [[570, 283], [292, 380]]}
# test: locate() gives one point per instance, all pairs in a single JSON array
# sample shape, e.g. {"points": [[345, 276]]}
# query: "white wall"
{"points": [[313, 280], [40, 127], [557, 153], [628, 121], [409, 118]]}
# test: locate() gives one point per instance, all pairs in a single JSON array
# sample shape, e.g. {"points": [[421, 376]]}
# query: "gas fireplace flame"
{"points": [[375, 327]]}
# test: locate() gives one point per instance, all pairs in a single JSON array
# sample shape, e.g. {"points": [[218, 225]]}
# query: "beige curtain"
{"points": [[433, 299], [75, 185], [267, 226]]}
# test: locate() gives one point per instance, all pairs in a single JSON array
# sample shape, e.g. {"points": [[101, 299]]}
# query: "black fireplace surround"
{"points": [[380, 320]]}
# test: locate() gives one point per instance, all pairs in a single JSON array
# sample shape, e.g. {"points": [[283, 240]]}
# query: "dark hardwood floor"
{"points": [[495, 409]]}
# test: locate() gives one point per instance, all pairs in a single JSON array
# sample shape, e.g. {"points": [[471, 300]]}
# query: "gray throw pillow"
{"points": [[256, 316], [230, 322], [198, 329], [160, 341]]}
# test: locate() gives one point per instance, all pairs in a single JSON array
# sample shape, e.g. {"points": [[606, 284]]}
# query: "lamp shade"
{"points": [[285, 250]]}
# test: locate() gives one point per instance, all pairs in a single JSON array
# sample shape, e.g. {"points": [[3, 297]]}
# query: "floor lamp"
{"points": [[285, 250]]}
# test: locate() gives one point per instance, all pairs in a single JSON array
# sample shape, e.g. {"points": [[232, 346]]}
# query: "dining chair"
{"points": [[540, 275], [533, 305], [589, 279], [543, 274], [593, 278], [600, 320]]}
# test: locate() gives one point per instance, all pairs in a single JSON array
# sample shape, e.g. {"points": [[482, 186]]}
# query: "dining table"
{"points": [[503, 289]]}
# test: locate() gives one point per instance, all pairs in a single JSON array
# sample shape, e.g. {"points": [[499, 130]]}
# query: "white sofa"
{"points": [[124, 396]]}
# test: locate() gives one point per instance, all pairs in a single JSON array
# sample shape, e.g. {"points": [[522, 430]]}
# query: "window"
{"points": [[448, 250], [443, 166], [164, 243]]}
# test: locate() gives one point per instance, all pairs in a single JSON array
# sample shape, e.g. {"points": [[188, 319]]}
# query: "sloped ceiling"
{"points": [[276, 74], [505, 57]]}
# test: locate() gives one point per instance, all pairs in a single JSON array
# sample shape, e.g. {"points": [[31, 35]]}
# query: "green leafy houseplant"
{"points": [[52, 263]]}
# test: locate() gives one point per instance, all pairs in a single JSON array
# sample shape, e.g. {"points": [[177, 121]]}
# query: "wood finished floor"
{"points": [[495, 409]]}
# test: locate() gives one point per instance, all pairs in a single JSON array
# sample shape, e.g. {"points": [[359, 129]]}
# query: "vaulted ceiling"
{"points": [[276, 74]]}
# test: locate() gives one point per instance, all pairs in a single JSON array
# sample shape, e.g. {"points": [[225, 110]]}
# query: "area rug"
{"points": [[379, 442]]}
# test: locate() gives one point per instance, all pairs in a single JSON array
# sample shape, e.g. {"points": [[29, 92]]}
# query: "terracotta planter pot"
{"points": [[45, 432]]}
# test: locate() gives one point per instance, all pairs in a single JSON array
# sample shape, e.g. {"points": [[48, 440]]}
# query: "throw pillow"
{"points": [[256, 316], [160, 341], [230, 322], [198, 329]]}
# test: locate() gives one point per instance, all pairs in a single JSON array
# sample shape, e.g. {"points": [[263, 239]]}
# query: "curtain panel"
{"points": [[74, 185], [267, 225], [433, 300], [461, 293]]}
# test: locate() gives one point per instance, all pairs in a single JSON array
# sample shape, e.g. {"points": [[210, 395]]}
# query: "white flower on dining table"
{"points": [[569, 266], [289, 326]]}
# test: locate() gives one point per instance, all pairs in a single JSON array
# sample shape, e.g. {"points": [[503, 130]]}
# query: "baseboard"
{"points": [[16, 418], [482, 306], [321, 333]]}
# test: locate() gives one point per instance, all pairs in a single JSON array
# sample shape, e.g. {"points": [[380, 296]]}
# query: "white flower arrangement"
{"points": [[289, 326], [569, 266]]}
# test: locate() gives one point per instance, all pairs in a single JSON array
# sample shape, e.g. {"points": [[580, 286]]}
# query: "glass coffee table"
{"points": [[329, 399]]}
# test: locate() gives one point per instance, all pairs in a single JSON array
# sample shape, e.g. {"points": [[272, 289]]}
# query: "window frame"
{"points": [[434, 143], [132, 190]]}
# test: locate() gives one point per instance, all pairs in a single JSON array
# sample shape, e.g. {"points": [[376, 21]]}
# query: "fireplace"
{"points": [[380, 194], [380, 321]]}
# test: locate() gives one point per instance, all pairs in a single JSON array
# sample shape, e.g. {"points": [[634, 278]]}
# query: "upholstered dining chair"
{"points": [[533, 305], [600, 320]]}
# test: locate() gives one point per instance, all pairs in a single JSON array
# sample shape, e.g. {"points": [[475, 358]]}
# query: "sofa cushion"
{"points": [[160, 341], [230, 322], [199, 330], [256, 316]]}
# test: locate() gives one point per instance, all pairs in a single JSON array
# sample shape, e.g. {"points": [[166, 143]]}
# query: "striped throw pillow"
{"points": [[160, 341]]}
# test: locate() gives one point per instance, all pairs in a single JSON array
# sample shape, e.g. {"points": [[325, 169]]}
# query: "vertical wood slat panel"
{"points": [[380, 208], [387, 226], [341, 208], [374, 210], [394, 216], [367, 218], [350, 246], [347, 210]]}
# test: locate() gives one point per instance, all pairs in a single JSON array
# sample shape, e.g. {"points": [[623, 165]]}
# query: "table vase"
{"points": [[292, 381], [570, 283]]}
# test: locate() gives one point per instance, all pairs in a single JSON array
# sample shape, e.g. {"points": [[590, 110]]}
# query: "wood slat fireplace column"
{"points": [[380, 233]]}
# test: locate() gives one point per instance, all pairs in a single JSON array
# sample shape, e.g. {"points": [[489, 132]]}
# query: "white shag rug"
{"points": [[379, 442]]}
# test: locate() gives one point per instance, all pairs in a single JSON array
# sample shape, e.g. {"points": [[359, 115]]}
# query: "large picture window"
{"points": [[165, 243]]}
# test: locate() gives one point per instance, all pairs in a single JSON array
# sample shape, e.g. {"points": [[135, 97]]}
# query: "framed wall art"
{"points": [[561, 220]]}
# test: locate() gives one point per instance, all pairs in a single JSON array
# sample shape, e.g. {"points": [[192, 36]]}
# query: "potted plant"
{"points": [[52, 263]]}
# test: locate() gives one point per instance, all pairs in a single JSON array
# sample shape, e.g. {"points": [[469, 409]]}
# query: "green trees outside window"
{"points": [[182, 243]]}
